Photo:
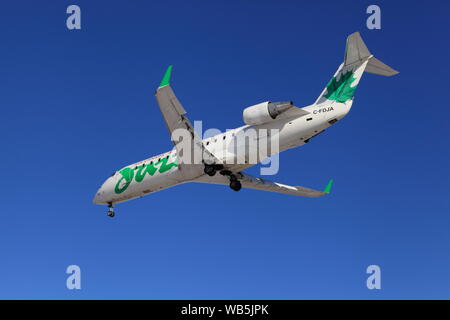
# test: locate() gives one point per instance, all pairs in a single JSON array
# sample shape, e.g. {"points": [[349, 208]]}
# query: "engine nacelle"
{"points": [[265, 112]]}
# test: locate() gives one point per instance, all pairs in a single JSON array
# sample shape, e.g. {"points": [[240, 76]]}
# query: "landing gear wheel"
{"points": [[210, 170], [110, 210], [235, 185]]}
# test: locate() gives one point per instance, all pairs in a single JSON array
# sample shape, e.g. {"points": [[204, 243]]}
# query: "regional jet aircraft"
{"points": [[222, 157]]}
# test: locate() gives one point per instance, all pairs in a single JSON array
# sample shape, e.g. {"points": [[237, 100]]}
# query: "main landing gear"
{"points": [[235, 184], [211, 169], [111, 213]]}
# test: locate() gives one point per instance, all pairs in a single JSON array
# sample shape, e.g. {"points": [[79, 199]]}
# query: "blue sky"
{"points": [[77, 105]]}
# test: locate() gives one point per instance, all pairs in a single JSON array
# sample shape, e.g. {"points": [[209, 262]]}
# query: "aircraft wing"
{"points": [[174, 117], [257, 183]]}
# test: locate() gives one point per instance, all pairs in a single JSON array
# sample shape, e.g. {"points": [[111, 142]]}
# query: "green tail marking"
{"points": [[328, 187], [340, 90], [166, 79]]}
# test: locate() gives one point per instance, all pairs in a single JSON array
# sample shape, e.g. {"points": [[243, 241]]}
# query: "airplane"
{"points": [[293, 126]]}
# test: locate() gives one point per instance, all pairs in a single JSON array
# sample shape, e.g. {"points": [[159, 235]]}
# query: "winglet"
{"points": [[328, 187], [166, 79]]}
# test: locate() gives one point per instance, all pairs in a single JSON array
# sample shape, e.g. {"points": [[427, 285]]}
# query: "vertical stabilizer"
{"points": [[357, 59]]}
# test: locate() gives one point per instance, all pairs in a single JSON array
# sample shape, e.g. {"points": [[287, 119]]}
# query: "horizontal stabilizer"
{"points": [[377, 67]]}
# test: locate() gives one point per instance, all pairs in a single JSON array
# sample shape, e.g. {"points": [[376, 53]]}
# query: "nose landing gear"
{"points": [[111, 213]]}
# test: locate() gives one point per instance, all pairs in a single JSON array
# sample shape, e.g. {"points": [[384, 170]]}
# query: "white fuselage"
{"points": [[162, 171]]}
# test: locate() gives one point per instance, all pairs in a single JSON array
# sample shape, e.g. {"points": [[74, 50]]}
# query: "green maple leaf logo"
{"points": [[340, 90]]}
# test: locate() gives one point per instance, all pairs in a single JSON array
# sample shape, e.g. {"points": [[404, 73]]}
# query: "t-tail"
{"points": [[358, 59]]}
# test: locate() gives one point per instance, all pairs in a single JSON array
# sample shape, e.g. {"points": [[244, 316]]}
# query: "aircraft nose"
{"points": [[104, 193], [98, 198], [101, 195]]}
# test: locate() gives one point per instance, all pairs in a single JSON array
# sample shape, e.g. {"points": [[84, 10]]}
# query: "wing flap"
{"points": [[258, 183]]}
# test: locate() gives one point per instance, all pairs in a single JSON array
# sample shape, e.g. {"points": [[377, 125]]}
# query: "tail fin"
{"points": [[357, 59]]}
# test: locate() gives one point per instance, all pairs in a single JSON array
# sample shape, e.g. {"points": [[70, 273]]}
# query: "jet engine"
{"points": [[265, 112]]}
